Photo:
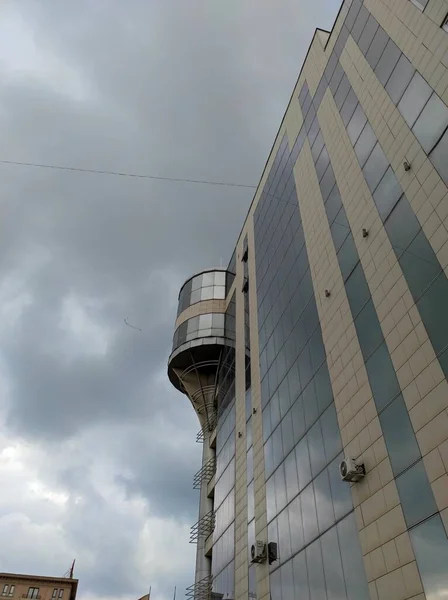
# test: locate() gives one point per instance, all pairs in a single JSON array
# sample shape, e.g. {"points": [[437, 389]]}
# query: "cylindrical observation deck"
{"points": [[203, 332]]}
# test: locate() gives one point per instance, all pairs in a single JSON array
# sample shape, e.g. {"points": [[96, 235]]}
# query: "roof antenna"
{"points": [[70, 572]]}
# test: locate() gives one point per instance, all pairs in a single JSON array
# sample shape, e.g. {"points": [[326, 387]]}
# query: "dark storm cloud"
{"points": [[186, 89]]}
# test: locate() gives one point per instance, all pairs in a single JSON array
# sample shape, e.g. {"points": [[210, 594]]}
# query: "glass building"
{"points": [[325, 341]]}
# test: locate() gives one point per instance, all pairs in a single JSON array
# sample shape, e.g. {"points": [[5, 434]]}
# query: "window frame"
{"points": [[444, 25], [5, 590]]}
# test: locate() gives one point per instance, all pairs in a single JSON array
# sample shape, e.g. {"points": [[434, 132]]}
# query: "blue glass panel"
{"points": [[430, 544], [399, 435], [417, 499]]}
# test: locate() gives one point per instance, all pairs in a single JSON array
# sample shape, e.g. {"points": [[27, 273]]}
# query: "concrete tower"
{"points": [[203, 352]]}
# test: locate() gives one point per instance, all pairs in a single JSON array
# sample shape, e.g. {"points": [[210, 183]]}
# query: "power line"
{"points": [[124, 174]]}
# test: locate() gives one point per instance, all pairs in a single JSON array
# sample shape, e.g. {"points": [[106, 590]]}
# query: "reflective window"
{"points": [[420, 265], [375, 167], [295, 521], [414, 99], [348, 108], [302, 589], [369, 331], [317, 147], [323, 388], [387, 193], [303, 463], [287, 581], [360, 23], [333, 204], [348, 257], [402, 226], [352, 14], [292, 481], [277, 447], [342, 91], [432, 307], [357, 290], [336, 78], [334, 575], [368, 34], [271, 509], [324, 504], [399, 435], [400, 78], [316, 447], [339, 234], [430, 544], [387, 62], [280, 488], [284, 535], [309, 515], [377, 47], [365, 144], [352, 563], [287, 434], [327, 182], [275, 584], [431, 123], [316, 572], [417, 506], [298, 419], [382, 377], [330, 433], [322, 163]]}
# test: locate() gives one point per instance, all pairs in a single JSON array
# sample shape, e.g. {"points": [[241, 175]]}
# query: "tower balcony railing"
{"points": [[203, 528], [201, 590], [205, 474]]}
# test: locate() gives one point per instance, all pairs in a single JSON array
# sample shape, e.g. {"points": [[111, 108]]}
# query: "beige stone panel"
{"points": [[315, 63], [419, 374], [425, 190], [230, 293], [262, 570], [419, 35], [241, 555], [376, 497], [201, 308], [331, 40]]}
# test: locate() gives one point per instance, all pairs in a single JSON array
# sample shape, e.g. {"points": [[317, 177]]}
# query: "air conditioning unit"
{"points": [[258, 552], [350, 470]]}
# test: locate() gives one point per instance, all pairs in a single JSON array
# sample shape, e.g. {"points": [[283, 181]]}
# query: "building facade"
{"points": [[35, 587], [327, 336]]}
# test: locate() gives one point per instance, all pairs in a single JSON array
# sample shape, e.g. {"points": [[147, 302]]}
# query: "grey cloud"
{"points": [[186, 89]]}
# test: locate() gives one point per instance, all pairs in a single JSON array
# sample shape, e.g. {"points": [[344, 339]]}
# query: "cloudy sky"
{"points": [[97, 452]]}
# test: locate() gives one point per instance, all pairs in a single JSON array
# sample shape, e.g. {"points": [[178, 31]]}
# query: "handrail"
{"points": [[205, 474], [203, 527]]}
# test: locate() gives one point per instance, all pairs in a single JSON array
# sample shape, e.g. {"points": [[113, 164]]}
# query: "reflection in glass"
{"points": [[301, 577], [352, 562], [430, 544], [316, 572], [399, 435], [324, 504], [309, 515], [334, 575], [303, 463], [416, 506]]}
